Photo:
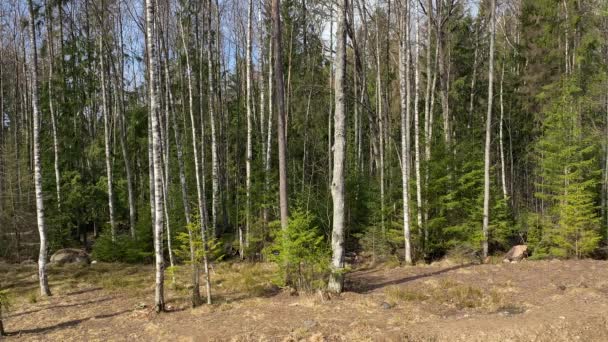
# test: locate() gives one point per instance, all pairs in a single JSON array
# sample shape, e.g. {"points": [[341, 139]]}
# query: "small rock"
{"points": [[386, 305], [309, 323], [93, 262], [516, 253], [70, 256], [140, 306]]}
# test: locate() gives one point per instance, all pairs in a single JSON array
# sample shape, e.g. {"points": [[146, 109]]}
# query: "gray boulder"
{"points": [[70, 256], [516, 253]]}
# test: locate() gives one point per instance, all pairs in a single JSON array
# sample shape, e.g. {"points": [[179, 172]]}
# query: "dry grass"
{"points": [[448, 293], [246, 279]]}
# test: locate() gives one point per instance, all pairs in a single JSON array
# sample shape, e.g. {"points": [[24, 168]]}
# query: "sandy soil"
{"points": [[527, 301]]}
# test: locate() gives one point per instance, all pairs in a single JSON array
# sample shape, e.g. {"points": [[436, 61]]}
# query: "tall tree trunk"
{"points": [[503, 172], [215, 198], [42, 276], [269, 130], [336, 280], [51, 103], [444, 88], [330, 107], [196, 295], [122, 129], [473, 80], [486, 178], [417, 136], [404, 83], [197, 164], [280, 101], [165, 146], [159, 300], [380, 114], [106, 134], [249, 130]]}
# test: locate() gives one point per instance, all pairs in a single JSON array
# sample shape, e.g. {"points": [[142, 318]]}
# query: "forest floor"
{"points": [[527, 301]]}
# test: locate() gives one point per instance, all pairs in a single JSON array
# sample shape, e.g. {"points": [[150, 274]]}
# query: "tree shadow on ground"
{"points": [[92, 289], [51, 306], [366, 284], [63, 325]]}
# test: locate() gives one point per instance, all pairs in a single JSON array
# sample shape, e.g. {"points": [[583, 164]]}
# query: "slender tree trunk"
{"points": [[444, 91], [473, 80], [380, 113], [417, 137], [165, 145], [330, 107], [51, 105], [261, 85], [249, 130], [106, 134], [280, 101], [486, 187], [42, 276], [196, 295], [404, 83], [122, 132], [215, 198], [336, 280], [503, 172], [197, 164], [269, 130], [159, 301]]}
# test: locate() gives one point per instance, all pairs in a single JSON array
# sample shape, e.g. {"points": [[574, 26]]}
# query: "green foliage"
{"points": [[300, 251], [5, 301], [569, 178], [5, 305], [125, 248], [192, 238]]}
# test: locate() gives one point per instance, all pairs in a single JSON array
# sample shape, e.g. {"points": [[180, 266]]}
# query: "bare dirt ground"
{"points": [[527, 301]]}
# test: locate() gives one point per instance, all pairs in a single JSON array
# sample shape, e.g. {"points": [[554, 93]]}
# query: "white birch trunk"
{"points": [[417, 136], [486, 187], [404, 84], [159, 300], [215, 197], [503, 172], [51, 107], [269, 129], [249, 101], [42, 276], [197, 164], [106, 136]]}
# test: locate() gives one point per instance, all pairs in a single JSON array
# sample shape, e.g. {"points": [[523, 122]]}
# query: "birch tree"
{"points": [[405, 97], [197, 167], [106, 135], [159, 300], [486, 178], [51, 94], [249, 130], [215, 198], [42, 276]]}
